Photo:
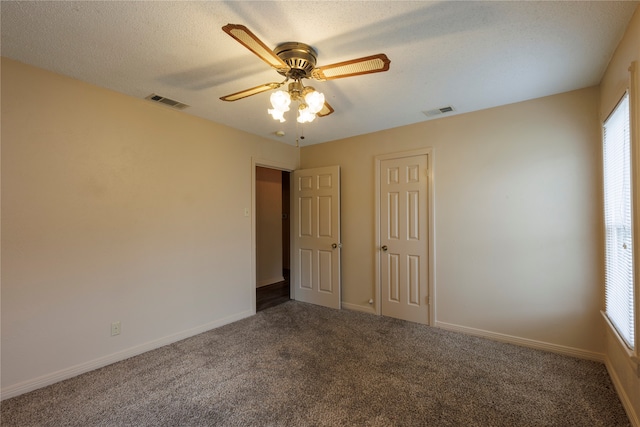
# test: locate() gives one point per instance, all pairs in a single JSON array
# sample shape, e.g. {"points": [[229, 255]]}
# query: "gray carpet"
{"points": [[302, 365]]}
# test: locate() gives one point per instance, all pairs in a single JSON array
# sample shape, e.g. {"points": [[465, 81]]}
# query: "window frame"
{"points": [[619, 227], [633, 91]]}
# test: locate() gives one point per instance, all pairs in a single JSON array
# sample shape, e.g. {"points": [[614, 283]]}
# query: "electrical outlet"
{"points": [[115, 329]]}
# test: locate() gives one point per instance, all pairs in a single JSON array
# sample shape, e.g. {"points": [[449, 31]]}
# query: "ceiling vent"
{"points": [[438, 111], [166, 101]]}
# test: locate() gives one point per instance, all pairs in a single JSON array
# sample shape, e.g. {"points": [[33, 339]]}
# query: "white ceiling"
{"points": [[470, 55]]}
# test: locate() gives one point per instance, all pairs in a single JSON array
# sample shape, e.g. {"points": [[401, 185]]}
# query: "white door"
{"points": [[316, 236], [403, 238]]}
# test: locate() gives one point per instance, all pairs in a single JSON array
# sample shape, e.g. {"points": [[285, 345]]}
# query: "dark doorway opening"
{"points": [[270, 295]]}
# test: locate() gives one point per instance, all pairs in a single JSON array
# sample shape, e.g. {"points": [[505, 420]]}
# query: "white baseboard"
{"points": [[634, 418], [355, 307], [525, 342], [268, 282], [63, 374]]}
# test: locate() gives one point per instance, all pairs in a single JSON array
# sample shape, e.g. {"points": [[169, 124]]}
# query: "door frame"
{"points": [[431, 238], [271, 164]]}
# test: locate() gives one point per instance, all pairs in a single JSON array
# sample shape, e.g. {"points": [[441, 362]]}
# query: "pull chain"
{"points": [[299, 134]]}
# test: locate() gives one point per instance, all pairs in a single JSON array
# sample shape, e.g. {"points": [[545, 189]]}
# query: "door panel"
{"points": [[324, 216], [404, 238], [393, 211], [324, 270], [316, 272], [393, 277], [305, 219], [413, 280], [305, 268]]}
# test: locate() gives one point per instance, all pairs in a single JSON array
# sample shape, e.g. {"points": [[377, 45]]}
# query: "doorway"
{"points": [[272, 228]]}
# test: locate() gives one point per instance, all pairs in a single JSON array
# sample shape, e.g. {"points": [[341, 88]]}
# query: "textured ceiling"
{"points": [[470, 55]]}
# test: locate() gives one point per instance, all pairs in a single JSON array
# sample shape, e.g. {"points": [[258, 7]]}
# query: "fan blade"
{"points": [[249, 40], [326, 110], [253, 91], [355, 67]]}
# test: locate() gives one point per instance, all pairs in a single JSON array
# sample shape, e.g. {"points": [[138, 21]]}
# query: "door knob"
{"points": [[384, 248], [336, 245]]}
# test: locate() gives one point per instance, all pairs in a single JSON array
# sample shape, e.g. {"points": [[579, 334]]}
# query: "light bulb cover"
{"points": [[315, 101], [280, 100], [277, 114], [305, 115]]}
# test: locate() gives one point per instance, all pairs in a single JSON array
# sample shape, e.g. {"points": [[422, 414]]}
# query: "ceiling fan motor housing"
{"points": [[299, 56]]}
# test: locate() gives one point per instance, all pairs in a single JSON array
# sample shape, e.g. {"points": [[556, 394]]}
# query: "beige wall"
{"points": [[517, 218], [615, 81], [115, 209], [268, 226]]}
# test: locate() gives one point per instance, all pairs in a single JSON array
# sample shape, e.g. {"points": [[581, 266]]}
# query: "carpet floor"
{"points": [[301, 365]]}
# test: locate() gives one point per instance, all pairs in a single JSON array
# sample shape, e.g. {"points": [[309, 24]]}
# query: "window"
{"points": [[618, 222]]}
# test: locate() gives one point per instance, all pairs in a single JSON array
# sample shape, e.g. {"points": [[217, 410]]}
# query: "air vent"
{"points": [[438, 111], [166, 101]]}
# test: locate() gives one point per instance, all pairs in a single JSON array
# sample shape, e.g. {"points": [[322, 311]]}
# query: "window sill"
{"points": [[632, 356]]}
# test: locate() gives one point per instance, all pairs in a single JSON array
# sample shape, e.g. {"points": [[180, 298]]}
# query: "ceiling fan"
{"points": [[297, 61]]}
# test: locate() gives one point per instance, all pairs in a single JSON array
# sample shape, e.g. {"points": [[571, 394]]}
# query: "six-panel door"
{"points": [[403, 238], [316, 251]]}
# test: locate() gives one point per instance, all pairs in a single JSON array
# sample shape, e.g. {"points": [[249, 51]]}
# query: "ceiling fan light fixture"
{"points": [[297, 61], [310, 102]]}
